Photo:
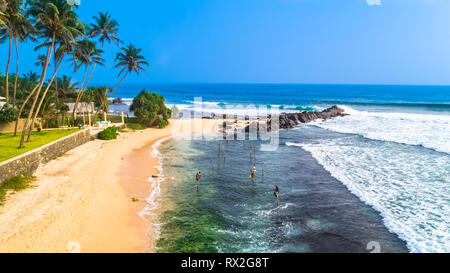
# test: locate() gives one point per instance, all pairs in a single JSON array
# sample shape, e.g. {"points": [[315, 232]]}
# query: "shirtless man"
{"points": [[198, 176]]}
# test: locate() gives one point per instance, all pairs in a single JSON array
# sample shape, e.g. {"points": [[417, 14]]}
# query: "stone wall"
{"points": [[30, 161], [9, 127]]}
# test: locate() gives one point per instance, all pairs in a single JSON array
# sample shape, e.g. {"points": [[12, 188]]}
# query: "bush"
{"points": [[108, 134], [150, 109], [8, 114], [162, 122]]}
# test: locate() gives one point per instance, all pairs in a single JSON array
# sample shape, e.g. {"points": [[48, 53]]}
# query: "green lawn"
{"points": [[9, 145]]}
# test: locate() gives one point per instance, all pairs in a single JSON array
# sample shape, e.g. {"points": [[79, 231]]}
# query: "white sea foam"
{"points": [[409, 186], [220, 108], [152, 202], [430, 131]]}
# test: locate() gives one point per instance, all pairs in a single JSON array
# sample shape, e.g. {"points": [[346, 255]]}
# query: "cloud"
{"points": [[374, 2]]}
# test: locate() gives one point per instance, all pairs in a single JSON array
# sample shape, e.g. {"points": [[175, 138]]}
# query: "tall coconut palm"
{"points": [[41, 61], [21, 29], [16, 28], [59, 57], [106, 28], [88, 55], [131, 61], [54, 19]]}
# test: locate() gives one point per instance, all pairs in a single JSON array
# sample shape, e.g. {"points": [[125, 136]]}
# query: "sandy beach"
{"points": [[82, 201]]}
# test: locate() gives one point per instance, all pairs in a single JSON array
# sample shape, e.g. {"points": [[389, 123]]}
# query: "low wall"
{"points": [[30, 161], [9, 127]]}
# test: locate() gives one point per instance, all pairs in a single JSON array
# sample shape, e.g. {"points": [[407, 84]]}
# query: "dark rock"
{"points": [[291, 120]]}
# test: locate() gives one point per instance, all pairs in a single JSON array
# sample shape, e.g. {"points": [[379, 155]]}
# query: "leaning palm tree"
{"points": [[131, 61], [41, 61], [21, 29], [59, 57], [88, 55], [16, 27], [54, 19]]}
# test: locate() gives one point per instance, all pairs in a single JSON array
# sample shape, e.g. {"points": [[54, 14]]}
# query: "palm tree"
{"points": [[105, 27], [41, 63], [21, 29], [88, 55], [16, 28], [3, 6], [66, 87], [31, 76], [41, 59], [131, 61], [54, 19]]}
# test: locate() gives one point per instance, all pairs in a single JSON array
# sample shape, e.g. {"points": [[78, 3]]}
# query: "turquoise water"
{"points": [[380, 175]]}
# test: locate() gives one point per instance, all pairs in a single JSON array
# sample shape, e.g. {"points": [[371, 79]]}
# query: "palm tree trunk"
{"points": [[44, 72], [110, 94], [23, 107], [79, 93], [7, 72], [56, 83], [17, 73], [42, 99], [92, 71]]}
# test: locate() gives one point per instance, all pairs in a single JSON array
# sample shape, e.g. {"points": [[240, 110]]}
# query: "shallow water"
{"points": [[232, 213]]}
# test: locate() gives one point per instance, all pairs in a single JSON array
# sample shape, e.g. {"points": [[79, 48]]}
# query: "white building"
{"points": [[2, 102], [82, 107]]}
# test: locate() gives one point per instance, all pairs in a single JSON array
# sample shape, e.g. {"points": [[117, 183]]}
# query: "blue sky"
{"points": [[277, 41]]}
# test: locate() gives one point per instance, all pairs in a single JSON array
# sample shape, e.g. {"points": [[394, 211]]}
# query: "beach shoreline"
{"points": [[82, 201]]}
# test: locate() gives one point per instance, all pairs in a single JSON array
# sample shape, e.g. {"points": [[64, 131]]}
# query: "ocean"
{"points": [[376, 180]]}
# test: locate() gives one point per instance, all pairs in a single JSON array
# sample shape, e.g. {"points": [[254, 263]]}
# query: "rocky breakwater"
{"points": [[291, 120]]}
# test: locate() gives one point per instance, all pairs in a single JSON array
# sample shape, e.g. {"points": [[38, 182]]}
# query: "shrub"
{"points": [[162, 122], [150, 109], [8, 114], [108, 134]]}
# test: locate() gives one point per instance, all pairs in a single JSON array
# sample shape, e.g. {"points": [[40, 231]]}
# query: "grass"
{"points": [[15, 184], [135, 126], [9, 144]]}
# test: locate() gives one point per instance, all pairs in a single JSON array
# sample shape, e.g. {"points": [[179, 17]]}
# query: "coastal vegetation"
{"points": [[60, 36], [150, 109], [9, 143], [108, 134], [15, 184]]}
